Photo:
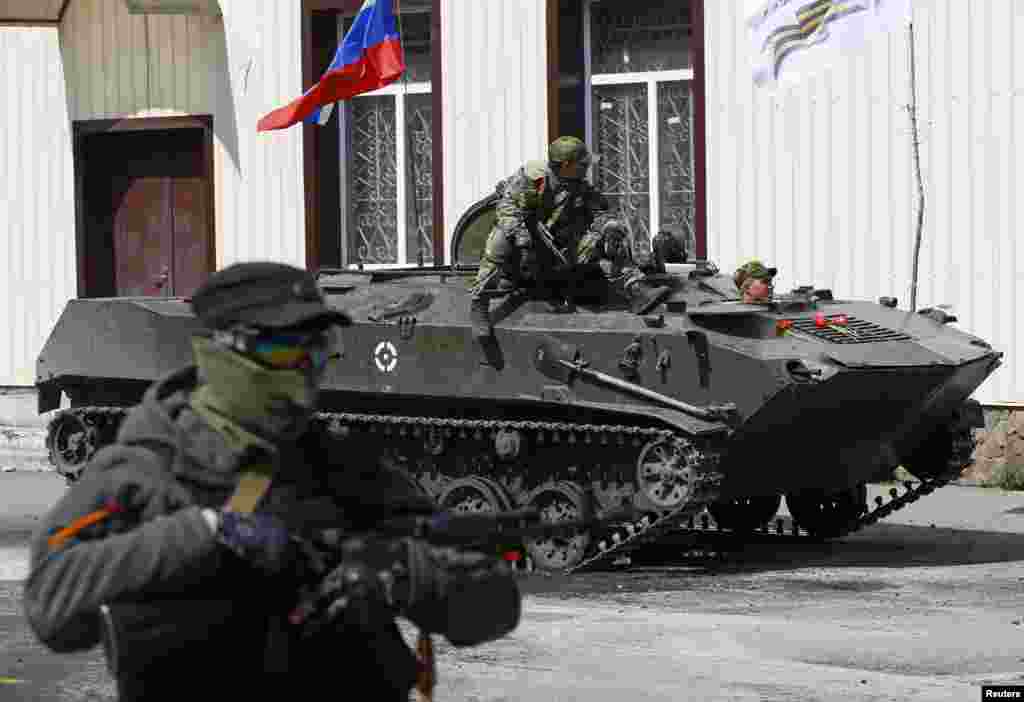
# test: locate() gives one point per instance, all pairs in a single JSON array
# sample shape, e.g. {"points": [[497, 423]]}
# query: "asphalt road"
{"points": [[925, 607]]}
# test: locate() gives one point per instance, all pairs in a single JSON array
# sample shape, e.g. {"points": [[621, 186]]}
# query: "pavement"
{"points": [[924, 606], [23, 448]]}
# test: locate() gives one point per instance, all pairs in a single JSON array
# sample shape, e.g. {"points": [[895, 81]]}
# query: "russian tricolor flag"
{"points": [[370, 57]]}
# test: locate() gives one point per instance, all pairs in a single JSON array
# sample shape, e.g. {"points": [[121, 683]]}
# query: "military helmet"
{"points": [[569, 148], [753, 270]]}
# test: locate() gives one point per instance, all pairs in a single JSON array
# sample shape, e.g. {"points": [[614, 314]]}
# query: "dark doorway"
{"points": [[145, 210]]}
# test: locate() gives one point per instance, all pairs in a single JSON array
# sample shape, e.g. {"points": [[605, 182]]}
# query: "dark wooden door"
{"points": [[190, 220], [147, 201], [143, 236]]}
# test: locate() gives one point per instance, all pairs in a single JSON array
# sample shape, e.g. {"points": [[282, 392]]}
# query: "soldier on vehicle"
{"points": [[554, 195], [607, 246], [669, 247], [211, 477], [754, 280]]}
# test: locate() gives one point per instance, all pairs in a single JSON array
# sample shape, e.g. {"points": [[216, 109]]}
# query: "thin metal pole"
{"points": [[912, 111], [409, 150]]}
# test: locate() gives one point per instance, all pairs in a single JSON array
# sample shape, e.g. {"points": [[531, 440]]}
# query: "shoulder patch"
{"points": [[535, 170]]}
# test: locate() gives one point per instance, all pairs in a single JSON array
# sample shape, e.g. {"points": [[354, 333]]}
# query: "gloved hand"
{"points": [[393, 571], [472, 598], [468, 597], [650, 265], [260, 539]]}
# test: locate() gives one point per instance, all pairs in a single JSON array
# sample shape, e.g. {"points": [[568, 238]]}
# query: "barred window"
{"points": [[388, 220], [640, 116]]}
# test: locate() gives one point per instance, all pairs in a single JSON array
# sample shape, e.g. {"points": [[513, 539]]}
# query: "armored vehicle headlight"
{"points": [[937, 315], [805, 370]]}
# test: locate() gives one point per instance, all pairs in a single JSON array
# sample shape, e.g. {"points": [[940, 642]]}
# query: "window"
{"points": [[640, 113], [387, 220]]}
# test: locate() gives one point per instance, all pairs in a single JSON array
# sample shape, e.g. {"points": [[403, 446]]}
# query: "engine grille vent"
{"points": [[855, 331]]}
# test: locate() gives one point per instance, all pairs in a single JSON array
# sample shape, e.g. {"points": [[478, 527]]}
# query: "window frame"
{"points": [[398, 91], [651, 79]]}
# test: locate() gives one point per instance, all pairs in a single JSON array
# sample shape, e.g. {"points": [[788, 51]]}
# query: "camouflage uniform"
{"points": [[567, 206]]}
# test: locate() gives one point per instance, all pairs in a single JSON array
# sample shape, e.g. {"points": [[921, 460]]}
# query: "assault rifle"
{"points": [[546, 238], [178, 632]]}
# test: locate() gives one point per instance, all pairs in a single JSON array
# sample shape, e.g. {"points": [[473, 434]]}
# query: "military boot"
{"points": [[643, 299], [480, 318]]}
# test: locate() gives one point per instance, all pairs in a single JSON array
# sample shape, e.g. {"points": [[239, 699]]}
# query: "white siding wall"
{"points": [[818, 178], [237, 68], [37, 223], [494, 59]]}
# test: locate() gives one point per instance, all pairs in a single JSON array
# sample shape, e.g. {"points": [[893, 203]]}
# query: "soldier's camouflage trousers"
{"points": [[500, 265]]}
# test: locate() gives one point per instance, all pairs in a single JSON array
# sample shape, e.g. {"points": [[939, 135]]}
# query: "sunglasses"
{"points": [[283, 351]]}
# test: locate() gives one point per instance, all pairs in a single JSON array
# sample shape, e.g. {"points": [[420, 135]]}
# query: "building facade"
{"points": [[127, 121]]}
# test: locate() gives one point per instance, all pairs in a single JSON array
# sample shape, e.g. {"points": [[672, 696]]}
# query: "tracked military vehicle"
{"points": [[707, 410]]}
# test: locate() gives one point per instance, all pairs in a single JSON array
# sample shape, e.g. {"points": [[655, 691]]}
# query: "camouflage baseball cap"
{"points": [[569, 148], [263, 294], [753, 269]]}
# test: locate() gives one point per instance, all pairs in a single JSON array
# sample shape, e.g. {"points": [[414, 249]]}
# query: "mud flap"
{"points": [[969, 416], [48, 396]]}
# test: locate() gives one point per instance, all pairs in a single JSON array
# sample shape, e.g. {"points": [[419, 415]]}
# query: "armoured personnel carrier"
{"points": [[707, 410]]}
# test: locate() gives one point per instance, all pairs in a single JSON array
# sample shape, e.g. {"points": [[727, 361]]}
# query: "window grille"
{"points": [[640, 114], [387, 219]]}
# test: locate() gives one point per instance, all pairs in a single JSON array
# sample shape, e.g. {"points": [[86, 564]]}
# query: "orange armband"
{"points": [[61, 536]]}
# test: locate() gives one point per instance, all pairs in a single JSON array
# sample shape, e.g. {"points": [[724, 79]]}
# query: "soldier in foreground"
{"points": [[199, 497], [754, 280], [553, 196]]}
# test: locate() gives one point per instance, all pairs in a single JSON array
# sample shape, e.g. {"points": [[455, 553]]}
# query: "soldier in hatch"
{"points": [[754, 280], [556, 194], [198, 499]]}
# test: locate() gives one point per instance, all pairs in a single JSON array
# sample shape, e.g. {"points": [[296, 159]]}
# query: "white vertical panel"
{"points": [[494, 63], [1015, 334], [104, 63], [37, 253], [236, 68], [839, 210]]}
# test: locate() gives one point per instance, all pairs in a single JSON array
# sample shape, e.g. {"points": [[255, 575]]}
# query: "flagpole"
{"points": [[916, 142]]}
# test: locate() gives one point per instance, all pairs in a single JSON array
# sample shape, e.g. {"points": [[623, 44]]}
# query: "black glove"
{"points": [[387, 571], [468, 597], [472, 598], [260, 539]]}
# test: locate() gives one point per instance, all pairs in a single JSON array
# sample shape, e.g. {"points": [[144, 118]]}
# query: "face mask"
{"points": [[273, 403]]}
